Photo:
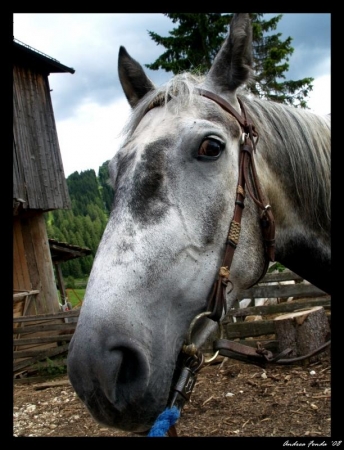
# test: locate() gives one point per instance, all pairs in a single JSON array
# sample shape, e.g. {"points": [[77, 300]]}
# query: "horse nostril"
{"points": [[124, 375], [131, 366], [108, 380]]}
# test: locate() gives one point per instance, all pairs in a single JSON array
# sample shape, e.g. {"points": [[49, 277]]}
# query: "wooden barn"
{"points": [[39, 183]]}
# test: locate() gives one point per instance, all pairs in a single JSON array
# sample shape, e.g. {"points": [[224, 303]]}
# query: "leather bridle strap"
{"points": [[227, 107], [247, 178]]}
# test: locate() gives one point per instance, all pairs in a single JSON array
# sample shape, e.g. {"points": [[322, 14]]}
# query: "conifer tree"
{"points": [[194, 43], [84, 224]]}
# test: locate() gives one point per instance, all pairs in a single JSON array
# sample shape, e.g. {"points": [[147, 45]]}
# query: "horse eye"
{"points": [[210, 148]]}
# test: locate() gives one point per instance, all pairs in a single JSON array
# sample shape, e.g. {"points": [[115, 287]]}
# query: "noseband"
{"points": [[247, 178]]}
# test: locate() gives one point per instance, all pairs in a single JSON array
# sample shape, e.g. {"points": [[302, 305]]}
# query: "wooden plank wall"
{"points": [[32, 264], [21, 276], [38, 175]]}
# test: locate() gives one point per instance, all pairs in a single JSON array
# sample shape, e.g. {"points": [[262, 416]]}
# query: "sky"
{"points": [[90, 107]]}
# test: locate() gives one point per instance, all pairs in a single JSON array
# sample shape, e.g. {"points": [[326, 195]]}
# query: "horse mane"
{"points": [[298, 141], [292, 139]]}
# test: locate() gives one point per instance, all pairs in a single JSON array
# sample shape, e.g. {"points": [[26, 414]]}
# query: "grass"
{"points": [[75, 296]]}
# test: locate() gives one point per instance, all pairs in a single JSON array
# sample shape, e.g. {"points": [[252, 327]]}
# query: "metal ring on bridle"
{"points": [[188, 340]]}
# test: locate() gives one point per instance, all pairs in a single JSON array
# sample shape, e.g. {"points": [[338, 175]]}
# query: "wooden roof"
{"points": [[61, 251], [27, 55]]}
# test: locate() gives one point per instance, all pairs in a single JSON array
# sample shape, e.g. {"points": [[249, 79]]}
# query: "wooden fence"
{"points": [[240, 323], [39, 337], [304, 296]]}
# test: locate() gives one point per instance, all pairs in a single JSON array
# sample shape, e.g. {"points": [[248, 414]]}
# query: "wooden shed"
{"points": [[39, 183], [60, 253]]}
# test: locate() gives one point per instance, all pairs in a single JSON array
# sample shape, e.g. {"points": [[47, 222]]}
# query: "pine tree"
{"points": [[193, 45], [84, 224]]}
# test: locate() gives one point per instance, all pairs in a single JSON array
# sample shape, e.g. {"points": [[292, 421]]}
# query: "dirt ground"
{"points": [[230, 398]]}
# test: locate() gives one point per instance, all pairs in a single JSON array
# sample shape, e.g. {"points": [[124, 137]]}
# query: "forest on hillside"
{"points": [[83, 225]]}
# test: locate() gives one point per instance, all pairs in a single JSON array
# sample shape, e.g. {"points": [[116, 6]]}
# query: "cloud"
{"points": [[320, 97], [89, 106], [91, 137]]}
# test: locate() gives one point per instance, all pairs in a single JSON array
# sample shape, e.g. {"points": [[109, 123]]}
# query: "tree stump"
{"points": [[302, 331]]}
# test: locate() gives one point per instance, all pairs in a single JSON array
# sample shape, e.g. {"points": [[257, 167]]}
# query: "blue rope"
{"points": [[164, 422]]}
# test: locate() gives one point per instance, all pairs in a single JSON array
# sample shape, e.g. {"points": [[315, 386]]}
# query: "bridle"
{"points": [[247, 178], [191, 358]]}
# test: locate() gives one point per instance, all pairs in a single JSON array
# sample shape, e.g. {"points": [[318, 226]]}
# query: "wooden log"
{"points": [[39, 357], [20, 295], [248, 329], [42, 339], [302, 331], [286, 275], [281, 291], [265, 310], [65, 327], [47, 385], [59, 315]]}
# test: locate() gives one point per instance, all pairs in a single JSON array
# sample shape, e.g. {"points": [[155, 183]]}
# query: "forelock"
{"points": [[180, 88]]}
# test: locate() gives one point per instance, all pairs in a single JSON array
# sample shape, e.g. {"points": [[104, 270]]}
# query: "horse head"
{"points": [[175, 180]]}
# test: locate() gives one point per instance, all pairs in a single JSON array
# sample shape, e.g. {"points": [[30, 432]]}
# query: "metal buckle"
{"points": [[189, 348]]}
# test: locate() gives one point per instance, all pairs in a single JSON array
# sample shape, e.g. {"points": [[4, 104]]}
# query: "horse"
{"points": [[211, 185]]}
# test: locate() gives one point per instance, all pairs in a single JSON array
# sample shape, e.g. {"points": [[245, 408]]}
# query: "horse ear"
{"points": [[232, 66], [134, 81]]}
